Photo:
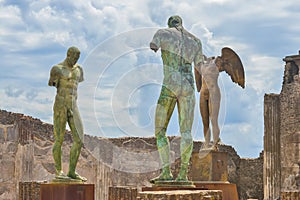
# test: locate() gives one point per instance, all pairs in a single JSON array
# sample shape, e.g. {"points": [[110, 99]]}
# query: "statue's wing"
{"points": [[233, 66]]}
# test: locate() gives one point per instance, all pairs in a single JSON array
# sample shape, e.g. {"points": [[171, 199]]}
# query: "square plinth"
{"points": [[65, 191], [209, 166]]}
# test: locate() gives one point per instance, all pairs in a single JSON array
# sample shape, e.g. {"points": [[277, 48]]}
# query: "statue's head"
{"points": [[73, 55], [175, 21]]}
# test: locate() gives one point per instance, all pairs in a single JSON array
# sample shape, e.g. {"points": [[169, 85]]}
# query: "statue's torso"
{"points": [[210, 74], [178, 51], [66, 81]]}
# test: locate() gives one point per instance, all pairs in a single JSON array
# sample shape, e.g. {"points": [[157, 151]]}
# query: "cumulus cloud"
{"points": [[13, 92]]}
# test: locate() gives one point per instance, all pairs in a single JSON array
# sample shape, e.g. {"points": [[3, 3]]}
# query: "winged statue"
{"points": [[210, 96]]}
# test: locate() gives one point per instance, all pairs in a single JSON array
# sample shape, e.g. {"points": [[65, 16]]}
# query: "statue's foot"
{"points": [[206, 146], [215, 148], [76, 176], [182, 178], [215, 144], [61, 175], [162, 177]]}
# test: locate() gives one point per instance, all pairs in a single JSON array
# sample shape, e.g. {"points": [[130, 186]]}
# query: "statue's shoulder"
{"points": [[57, 67], [164, 32], [196, 39], [79, 68]]}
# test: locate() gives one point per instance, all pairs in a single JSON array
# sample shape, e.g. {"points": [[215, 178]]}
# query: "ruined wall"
{"points": [[26, 155], [250, 182], [128, 161], [290, 134], [282, 134]]}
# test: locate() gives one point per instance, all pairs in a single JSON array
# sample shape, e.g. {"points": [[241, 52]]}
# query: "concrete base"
{"points": [[229, 190], [65, 191]]}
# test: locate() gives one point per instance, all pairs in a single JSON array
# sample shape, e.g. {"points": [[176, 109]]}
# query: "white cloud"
{"points": [[264, 73]]}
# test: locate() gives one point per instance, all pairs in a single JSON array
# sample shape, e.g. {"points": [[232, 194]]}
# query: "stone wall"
{"points": [[290, 134], [26, 155], [282, 134]]}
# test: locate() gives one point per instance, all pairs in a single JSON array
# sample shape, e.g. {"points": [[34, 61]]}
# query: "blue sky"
{"points": [[123, 77]]}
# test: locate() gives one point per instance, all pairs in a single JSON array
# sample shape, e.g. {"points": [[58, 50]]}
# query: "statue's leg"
{"points": [[186, 105], [59, 128], [164, 110], [204, 111], [214, 106], [76, 127]]}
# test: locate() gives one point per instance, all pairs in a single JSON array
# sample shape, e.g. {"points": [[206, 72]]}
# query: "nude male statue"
{"points": [[179, 49], [65, 76], [210, 96]]}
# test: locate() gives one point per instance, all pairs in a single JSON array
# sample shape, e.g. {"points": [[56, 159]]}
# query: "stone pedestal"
{"points": [[125, 193], [209, 171], [181, 194], [209, 165], [229, 190], [65, 191], [165, 193]]}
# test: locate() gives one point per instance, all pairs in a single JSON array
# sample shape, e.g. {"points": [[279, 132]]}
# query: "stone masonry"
{"points": [[26, 156], [282, 135]]}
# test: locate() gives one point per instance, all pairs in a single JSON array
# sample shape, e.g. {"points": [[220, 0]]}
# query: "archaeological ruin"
{"points": [[282, 136], [26, 153], [26, 160]]}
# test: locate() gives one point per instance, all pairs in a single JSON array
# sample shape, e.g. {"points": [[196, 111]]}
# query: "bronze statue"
{"points": [[207, 84], [179, 49], [65, 76]]}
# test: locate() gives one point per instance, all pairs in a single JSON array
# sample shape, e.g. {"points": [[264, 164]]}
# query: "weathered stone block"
{"points": [[181, 195], [229, 190], [29, 190], [290, 195], [126, 193], [209, 166]]}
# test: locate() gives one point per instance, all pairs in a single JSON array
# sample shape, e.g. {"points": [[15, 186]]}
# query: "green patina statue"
{"points": [[179, 49], [65, 76]]}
